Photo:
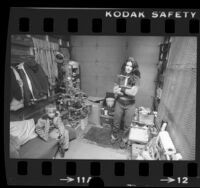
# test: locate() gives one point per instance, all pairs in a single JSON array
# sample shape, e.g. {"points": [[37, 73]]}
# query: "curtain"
{"points": [[44, 55]]}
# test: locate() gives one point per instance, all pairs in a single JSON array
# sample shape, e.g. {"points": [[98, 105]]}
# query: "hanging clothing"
{"points": [[38, 79], [19, 80], [27, 86], [15, 87], [21, 66], [44, 55]]}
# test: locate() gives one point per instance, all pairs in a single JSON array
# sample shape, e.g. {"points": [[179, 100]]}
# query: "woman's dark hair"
{"points": [[135, 70]]}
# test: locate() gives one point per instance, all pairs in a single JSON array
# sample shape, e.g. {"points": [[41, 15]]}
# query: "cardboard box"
{"points": [[94, 116], [136, 149], [146, 119], [139, 135]]}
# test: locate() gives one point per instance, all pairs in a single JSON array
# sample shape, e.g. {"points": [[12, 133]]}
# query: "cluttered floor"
{"points": [[86, 147], [144, 142]]}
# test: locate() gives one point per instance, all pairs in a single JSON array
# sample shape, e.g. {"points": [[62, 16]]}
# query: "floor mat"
{"points": [[101, 136]]}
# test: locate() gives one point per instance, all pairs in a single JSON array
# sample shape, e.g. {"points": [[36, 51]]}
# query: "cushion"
{"points": [[23, 130], [39, 149]]}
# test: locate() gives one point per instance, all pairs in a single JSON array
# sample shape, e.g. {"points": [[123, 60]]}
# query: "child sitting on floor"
{"points": [[51, 125]]}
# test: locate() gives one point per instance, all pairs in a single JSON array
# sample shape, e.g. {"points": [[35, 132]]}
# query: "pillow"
{"points": [[14, 147], [23, 130]]}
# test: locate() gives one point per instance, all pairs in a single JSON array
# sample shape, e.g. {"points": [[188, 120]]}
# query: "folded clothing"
{"points": [[23, 130]]}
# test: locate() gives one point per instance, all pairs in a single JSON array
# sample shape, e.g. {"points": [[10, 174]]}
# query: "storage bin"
{"points": [[106, 121], [139, 135]]}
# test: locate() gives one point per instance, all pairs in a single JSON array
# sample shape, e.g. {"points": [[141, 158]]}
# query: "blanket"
{"points": [[23, 130]]}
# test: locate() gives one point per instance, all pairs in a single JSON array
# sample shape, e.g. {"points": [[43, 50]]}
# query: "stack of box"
{"points": [[138, 137], [146, 119]]}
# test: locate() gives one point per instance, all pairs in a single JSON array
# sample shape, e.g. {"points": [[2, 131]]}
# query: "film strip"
{"points": [[101, 22]]}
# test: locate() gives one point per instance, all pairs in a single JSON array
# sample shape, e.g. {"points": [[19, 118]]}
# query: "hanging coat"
{"points": [[38, 79], [27, 93], [15, 88]]}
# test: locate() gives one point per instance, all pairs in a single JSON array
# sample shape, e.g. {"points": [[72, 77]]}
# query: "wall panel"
{"points": [[104, 55], [178, 102]]}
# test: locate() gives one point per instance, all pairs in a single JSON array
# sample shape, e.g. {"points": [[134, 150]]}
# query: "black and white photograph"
{"points": [[103, 97]]}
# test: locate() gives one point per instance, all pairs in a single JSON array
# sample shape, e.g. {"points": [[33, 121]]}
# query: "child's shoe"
{"points": [[113, 139]]}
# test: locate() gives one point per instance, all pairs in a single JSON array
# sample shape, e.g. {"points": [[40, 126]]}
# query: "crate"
{"points": [[136, 148], [147, 119], [139, 135], [106, 120]]}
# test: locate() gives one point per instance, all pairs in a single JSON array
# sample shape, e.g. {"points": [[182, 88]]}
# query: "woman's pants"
{"points": [[126, 112]]}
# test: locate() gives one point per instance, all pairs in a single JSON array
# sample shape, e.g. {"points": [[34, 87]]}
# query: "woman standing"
{"points": [[125, 101]]}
